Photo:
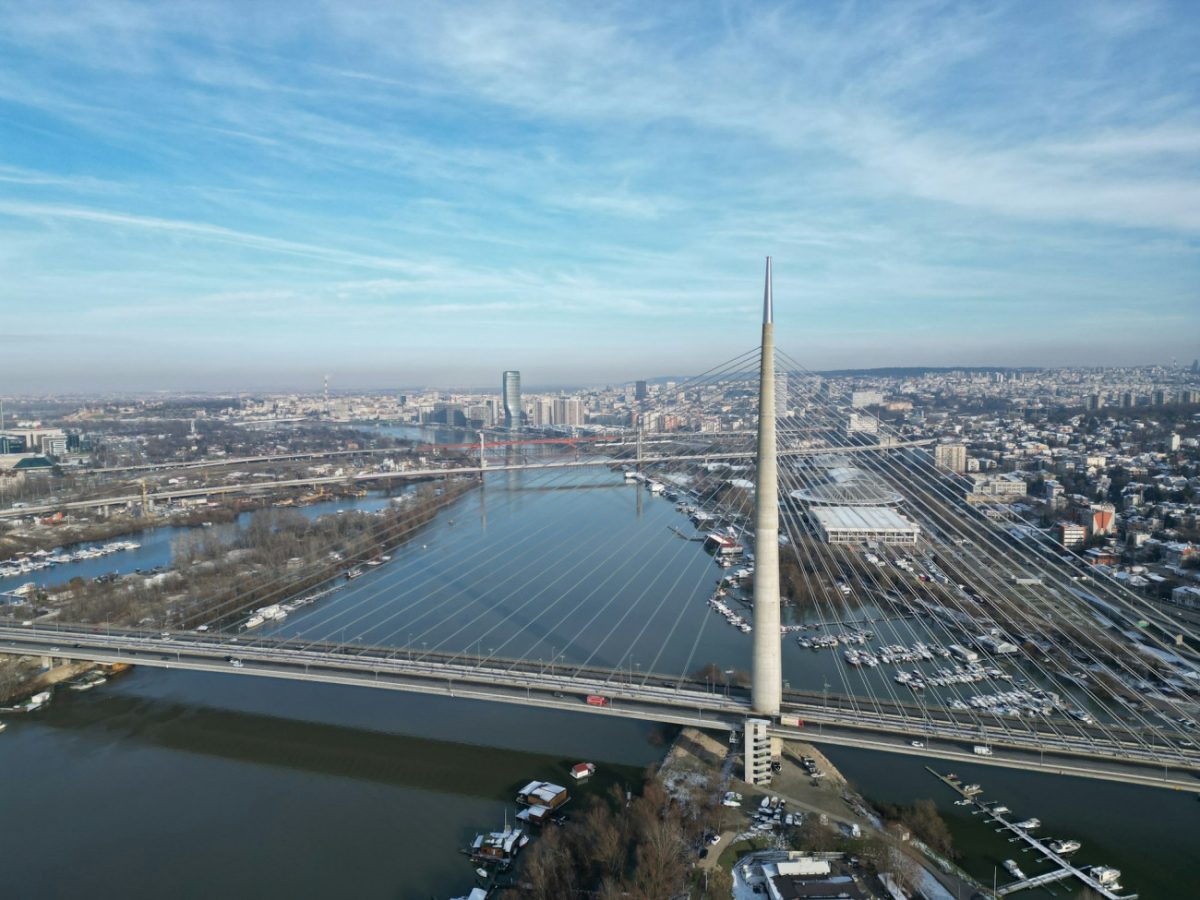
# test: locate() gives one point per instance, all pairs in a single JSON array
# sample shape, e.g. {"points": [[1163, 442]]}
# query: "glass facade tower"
{"points": [[511, 399]]}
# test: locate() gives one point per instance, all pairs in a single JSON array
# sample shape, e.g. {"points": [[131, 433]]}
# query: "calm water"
{"points": [[1149, 834], [182, 784]]}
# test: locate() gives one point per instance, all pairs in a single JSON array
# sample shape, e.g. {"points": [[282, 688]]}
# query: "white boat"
{"points": [[1014, 870], [1062, 848], [36, 702], [1029, 824], [87, 682], [1106, 875], [2, 727]]}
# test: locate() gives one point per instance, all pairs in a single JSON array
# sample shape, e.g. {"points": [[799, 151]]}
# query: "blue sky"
{"points": [[250, 195]]}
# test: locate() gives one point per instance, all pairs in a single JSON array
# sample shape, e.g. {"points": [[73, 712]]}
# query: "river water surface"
{"points": [[177, 784]]}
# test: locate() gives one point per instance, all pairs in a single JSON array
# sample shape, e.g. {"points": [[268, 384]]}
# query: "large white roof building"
{"points": [[861, 524]]}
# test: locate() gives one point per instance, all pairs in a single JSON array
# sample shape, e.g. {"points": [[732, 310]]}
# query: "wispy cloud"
{"points": [[204, 231], [528, 171]]}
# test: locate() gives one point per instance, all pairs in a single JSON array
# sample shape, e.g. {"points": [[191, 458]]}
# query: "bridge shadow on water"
{"points": [[395, 760]]}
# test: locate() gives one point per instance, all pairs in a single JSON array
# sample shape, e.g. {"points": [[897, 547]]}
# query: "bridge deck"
{"points": [[653, 697]]}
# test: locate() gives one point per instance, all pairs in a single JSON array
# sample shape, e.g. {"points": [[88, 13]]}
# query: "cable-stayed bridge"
{"points": [[899, 616]]}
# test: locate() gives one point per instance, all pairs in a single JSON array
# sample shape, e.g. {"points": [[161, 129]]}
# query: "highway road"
{"points": [[660, 698], [407, 474]]}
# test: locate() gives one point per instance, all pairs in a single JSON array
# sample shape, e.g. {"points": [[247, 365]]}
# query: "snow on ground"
{"points": [[932, 888], [742, 890], [682, 784]]}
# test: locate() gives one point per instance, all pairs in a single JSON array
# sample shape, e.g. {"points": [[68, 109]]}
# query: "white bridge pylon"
{"points": [[767, 690]]}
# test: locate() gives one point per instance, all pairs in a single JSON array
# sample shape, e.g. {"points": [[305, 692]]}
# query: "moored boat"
{"points": [[87, 681], [497, 848]]}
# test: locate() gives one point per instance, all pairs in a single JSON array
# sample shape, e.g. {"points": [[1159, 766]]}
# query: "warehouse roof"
{"points": [[861, 518]]}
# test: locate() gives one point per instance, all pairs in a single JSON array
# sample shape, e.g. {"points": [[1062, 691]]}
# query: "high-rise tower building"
{"points": [[511, 399], [951, 456], [568, 411], [541, 412], [782, 404]]}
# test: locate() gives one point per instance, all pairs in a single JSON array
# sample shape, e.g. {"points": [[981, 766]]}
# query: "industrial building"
{"points": [[828, 484], [863, 524]]}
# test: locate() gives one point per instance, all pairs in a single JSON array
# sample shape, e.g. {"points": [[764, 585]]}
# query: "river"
{"points": [[181, 784]]}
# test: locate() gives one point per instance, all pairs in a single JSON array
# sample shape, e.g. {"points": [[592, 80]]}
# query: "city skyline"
{"points": [[219, 198]]}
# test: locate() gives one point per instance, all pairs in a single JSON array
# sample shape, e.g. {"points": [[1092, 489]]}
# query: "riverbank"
{"points": [[54, 535], [215, 577], [23, 676], [810, 811]]}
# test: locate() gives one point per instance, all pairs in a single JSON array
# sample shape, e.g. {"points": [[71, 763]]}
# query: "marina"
{"points": [[38, 560], [1104, 880]]}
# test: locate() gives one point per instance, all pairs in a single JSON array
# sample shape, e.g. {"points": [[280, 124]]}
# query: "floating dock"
{"points": [[1065, 870]]}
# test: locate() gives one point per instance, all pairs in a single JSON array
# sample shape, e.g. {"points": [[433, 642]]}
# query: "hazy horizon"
{"points": [[316, 386]]}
